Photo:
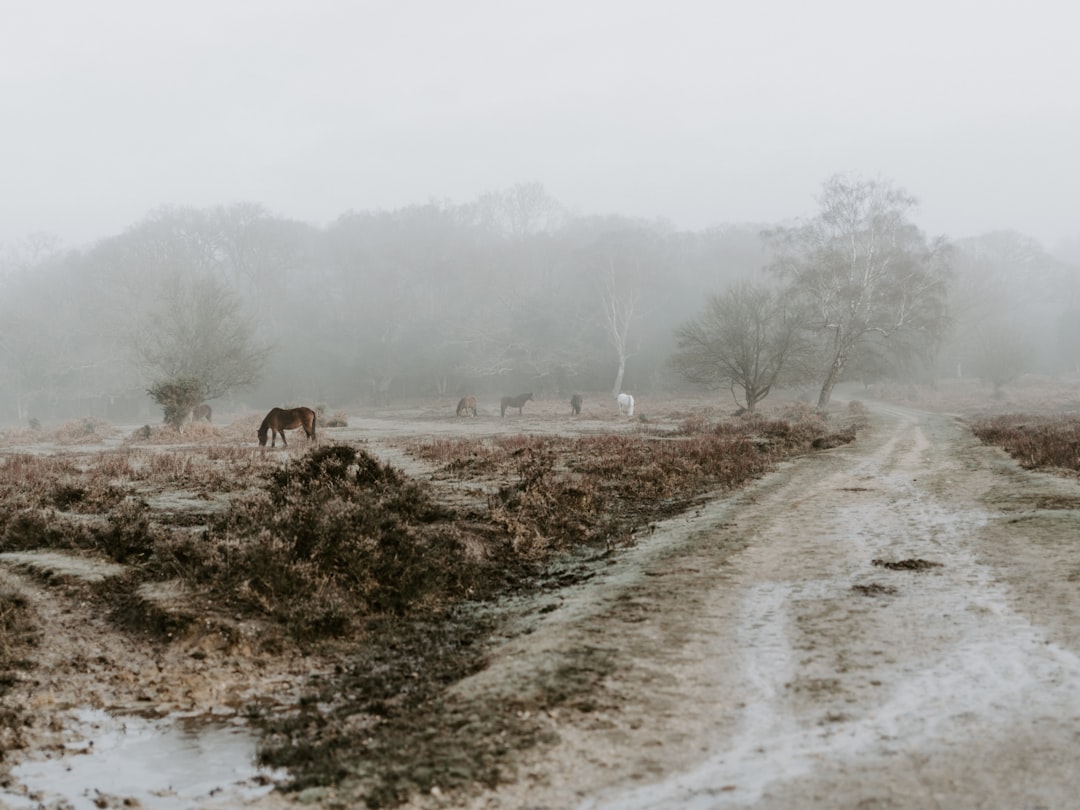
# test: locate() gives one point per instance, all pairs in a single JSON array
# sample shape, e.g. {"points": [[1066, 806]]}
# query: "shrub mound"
{"points": [[1034, 441]]}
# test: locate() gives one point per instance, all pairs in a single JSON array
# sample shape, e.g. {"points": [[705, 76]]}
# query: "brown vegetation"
{"points": [[1035, 441], [334, 546]]}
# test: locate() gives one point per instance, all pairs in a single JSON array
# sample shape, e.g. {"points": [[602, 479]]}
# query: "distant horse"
{"points": [[626, 404], [466, 405], [279, 420], [201, 412], [575, 404], [514, 402]]}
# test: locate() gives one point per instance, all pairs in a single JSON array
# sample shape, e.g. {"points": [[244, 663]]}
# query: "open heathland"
{"points": [[387, 563]]}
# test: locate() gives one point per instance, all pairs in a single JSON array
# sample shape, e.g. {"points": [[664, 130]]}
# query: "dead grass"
{"points": [[562, 492], [332, 544], [1035, 441]]}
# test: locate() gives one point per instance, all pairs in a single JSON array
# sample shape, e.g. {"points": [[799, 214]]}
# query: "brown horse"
{"points": [[201, 412], [279, 420], [466, 405], [575, 405], [514, 402]]}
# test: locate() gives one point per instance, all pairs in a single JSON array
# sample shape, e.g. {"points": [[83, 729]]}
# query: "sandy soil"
{"points": [[766, 651]]}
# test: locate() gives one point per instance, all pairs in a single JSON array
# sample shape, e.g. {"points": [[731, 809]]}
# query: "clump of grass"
{"points": [[191, 433], [90, 430], [26, 479], [128, 536], [858, 413], [460, 457], [1034, 441], [27, 529], [17, 630], [339, 419], [336, 536]]}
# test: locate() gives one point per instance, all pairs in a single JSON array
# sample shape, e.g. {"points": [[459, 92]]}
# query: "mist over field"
{"points": [[355, 205]]}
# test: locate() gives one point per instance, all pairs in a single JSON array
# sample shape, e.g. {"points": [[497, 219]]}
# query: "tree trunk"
{"points": [[617, 389], [831, 379]]}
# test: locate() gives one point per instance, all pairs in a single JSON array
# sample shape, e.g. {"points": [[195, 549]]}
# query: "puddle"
{"points": [[171, 763]]}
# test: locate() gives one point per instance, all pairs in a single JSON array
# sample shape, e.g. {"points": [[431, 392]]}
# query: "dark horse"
{"points": [[575, 404], [514, 402], [466, 405], [201, 412], [279, 420]]}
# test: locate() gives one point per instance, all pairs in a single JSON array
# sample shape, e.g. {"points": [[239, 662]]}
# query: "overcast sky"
{"points": [[701, 113]]}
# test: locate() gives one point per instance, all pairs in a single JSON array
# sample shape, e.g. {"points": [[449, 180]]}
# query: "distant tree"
{"points": [[1004, 354], [521, 210], [619, 301], [198, 340], [630, 263], [1004, 276], [177, 397], [861, 269], [1068, 338], [746, 339]]}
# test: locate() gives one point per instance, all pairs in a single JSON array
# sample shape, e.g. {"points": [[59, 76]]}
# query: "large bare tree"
{"points": [[863, 270], [746, 339]]}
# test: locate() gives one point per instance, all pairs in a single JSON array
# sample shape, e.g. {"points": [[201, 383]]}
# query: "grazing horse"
{"points": [[279, 420], [514, 402], [201, 412], [626, 404], [466, 405], [575, 404]]}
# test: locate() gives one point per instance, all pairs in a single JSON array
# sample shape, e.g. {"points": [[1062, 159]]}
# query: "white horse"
{"points": [[626, 404]]}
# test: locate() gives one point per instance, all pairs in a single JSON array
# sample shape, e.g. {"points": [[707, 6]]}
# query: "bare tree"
{"points": [[745, 339], [199, 332], [619, 301], [863, 269], [521, 210]]}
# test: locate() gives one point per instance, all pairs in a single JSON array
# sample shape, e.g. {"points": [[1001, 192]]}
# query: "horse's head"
{"points": [[262, 436]]}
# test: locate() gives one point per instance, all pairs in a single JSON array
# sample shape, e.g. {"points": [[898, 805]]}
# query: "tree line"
{"points": [[513, 292]]}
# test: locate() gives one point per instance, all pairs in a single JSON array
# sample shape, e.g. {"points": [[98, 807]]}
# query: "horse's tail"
{"points": [[314, 419], [460, 406], [502, 407]]}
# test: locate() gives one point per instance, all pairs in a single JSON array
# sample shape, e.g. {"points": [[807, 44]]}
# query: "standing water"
{"points": [[171, 763]]}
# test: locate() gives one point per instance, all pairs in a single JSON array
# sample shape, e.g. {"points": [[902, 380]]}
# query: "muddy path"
{"points": [[889, 624]]}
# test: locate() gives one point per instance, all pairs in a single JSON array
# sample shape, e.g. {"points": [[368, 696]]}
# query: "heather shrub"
{"points": [[335, 537], [1034, 441]]}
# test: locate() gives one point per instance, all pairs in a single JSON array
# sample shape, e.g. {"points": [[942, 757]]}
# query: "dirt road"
{"points": [[891, 624]]}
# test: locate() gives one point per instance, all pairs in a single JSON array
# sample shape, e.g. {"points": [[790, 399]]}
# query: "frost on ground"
{"points": [[892, 622], [763, 660]]}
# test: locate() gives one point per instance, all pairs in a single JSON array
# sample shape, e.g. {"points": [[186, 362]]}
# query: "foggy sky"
{"points": [[697, 112]]}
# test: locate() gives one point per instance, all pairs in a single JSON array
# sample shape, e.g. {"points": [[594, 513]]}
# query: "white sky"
{"points": [[698, 112]]}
